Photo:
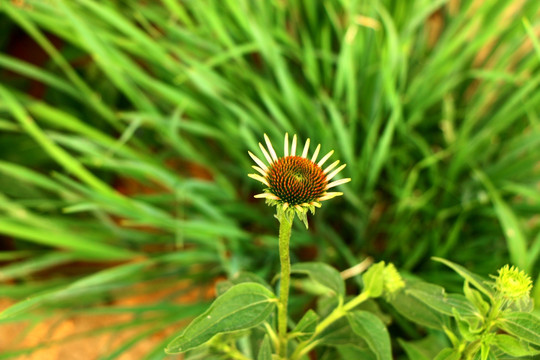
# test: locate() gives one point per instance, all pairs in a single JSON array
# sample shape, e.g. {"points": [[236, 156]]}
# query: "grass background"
{"points": [[124, 133]]}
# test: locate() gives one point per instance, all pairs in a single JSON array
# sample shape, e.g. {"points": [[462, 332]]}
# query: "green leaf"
{"points": [[34, 264], [512, 346], [340, 333], [372, 329], [423, 349], [79, 244], [79, 289], [485, 351], [242, 277], [242, 307], [469, 327], [435, 297], [515, 237], [523, 325], [475, 298], [416, 311], [265, 352], [474, 279], [448, 354], [306, 326], [354, 352], [374, 280], [65, 159], [413, 352], [323, 274]]}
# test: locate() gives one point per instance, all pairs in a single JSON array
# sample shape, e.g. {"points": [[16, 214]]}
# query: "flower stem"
{"points": [[231, 352], [285, 225], [335, 315]]}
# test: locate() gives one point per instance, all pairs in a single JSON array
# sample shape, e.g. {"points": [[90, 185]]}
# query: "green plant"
{"points": [[473, 325], [295, 185], [123, 137], [491, 320]]}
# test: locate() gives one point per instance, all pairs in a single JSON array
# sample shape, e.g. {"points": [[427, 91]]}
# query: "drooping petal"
{"points": [[270, 147], [265, 153], [306, 148], [316, 153], [266, 196], [337, 182], [323, 160], [335, 172], [331, 166], [330, 195], [293, 146], [261, 171], [259, 178], [258, 161], [286, 145]]}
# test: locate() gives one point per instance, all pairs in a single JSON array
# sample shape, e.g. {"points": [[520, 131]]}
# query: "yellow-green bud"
{"points": [[393, 281], [512, 283]]}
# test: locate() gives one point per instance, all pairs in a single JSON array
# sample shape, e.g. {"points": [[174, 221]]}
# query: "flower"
{"points": [[393, 282], [295, 181], [512, 283]]}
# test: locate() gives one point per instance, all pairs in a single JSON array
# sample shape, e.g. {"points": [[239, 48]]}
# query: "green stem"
{"points": [[285, 225], [339, 312], [334, 316], [232, 352], [357, 301]]}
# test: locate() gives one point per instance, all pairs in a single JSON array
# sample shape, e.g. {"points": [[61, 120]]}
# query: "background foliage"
{"points": [[124, 139]]}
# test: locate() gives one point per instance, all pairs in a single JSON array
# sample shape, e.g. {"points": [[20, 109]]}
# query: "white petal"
{"points": [[293, 146], [258, 161], [265, 153], [270, 147], [261, 171], [259, 178], [337, 182], [329, 195], [316, 204], [335, 172], [323, 160], [331, 166], [306, 148], [266, 196], [286, 145], [316, 153], [285, 206]]}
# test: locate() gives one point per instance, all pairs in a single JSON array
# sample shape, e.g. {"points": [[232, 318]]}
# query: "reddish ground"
{"points": [[57, 337]]}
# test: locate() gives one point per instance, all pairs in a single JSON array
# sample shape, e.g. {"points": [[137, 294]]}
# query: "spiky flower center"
{"points": [[296, 180], [513, 283]]}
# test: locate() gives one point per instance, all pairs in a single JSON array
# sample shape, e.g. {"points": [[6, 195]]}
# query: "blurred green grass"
{"points": [[136, 147]]}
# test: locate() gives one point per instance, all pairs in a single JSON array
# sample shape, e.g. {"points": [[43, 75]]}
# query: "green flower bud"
{"points": [[393, 281], [513, 284]]}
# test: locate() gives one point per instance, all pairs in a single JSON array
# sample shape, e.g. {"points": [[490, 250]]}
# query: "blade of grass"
{"points": [[84, 248], [50, 147], [516, 240]]}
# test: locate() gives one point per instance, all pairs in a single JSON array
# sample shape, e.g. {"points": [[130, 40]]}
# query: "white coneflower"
{"points": [[296, 181]]}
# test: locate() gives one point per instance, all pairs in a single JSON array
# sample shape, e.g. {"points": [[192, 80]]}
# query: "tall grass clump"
{"points": [[125, 126]]}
